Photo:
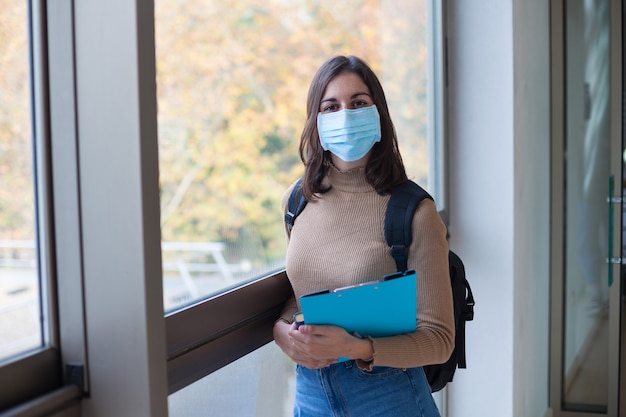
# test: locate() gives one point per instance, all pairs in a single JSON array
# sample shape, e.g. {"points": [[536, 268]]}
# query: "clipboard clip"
{"points": [[398, 274]]}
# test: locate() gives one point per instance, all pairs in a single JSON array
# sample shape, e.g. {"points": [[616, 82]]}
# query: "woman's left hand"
{"points": [[330, 342]]}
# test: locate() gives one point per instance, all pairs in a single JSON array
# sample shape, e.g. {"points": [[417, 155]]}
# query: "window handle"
{"points": [[612, 200]]}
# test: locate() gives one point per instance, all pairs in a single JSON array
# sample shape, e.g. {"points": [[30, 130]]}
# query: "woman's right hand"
{"points": [[284, 340]]}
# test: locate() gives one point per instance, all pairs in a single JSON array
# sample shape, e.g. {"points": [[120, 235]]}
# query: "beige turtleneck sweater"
{"points": [[338, 240]]}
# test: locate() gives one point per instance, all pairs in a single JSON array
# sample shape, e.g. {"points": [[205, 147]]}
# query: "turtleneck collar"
{"points": [[353, 180]]}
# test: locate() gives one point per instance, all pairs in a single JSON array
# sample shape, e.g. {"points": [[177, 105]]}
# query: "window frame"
{"points": [[37, 372], [247, 315], [72, 108], [437, 96]]}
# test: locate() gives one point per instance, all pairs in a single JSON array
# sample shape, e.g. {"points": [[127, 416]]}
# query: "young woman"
{"points": [[351, 158]]}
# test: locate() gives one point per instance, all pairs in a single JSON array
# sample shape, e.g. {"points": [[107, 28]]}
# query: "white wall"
{"points": [[498, 107]]}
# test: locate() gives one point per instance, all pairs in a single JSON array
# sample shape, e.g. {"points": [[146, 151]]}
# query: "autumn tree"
{"points": [[16, 150], [232, 79], [232, 85]]}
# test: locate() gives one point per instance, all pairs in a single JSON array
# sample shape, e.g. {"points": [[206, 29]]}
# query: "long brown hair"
{"points": [[384, 169]]}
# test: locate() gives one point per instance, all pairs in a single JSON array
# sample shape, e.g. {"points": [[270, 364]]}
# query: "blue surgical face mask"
{"points": [[349, 134]]}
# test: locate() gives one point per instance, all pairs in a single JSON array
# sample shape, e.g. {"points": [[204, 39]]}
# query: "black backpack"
{"points": [[398, 217]]}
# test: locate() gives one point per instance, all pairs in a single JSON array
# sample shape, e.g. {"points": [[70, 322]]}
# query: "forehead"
{"points": [[345, 84]]}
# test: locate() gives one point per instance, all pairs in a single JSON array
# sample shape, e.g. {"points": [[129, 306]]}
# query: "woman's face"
{"points": [[346, 91]]}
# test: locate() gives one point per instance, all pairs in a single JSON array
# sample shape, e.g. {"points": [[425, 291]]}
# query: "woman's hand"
{"points": [[283, 336], [319, 346]]}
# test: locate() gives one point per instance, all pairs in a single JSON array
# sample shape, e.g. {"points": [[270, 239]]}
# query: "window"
{"points": [[20, 304], [29, 358], [232, 82], [232, 79]]}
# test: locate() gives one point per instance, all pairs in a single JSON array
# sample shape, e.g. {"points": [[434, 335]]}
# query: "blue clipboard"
{"points": [[377, 309]]}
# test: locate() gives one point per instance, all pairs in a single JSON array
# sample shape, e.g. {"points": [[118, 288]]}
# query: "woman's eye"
{"points": [[329, 108], [361, 103]]}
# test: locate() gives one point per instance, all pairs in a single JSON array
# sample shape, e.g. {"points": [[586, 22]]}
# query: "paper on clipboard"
{"points": [[376, 309]]}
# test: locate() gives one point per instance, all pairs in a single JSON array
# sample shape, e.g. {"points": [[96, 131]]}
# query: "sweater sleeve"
{"points": [[433, 340]]}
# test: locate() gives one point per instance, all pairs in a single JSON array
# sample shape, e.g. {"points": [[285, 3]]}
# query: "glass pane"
{"points": [[586, 347], [232, 80], [19, 287], [259, 384]]}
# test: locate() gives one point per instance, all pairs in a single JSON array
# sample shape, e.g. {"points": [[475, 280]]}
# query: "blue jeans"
{"points": [[344, 390]]}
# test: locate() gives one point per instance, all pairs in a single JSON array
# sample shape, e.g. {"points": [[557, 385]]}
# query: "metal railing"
{"points": [[191, 270]]}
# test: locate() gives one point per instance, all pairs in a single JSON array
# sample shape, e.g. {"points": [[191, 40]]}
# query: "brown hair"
{"points": [[384, 169]]}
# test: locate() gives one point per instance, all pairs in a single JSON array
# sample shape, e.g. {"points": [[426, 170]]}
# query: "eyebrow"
{"points": [[353, 96]]}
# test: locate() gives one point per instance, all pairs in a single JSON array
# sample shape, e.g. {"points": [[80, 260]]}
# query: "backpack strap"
{"points": [[295, 204], [398, 218]]}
